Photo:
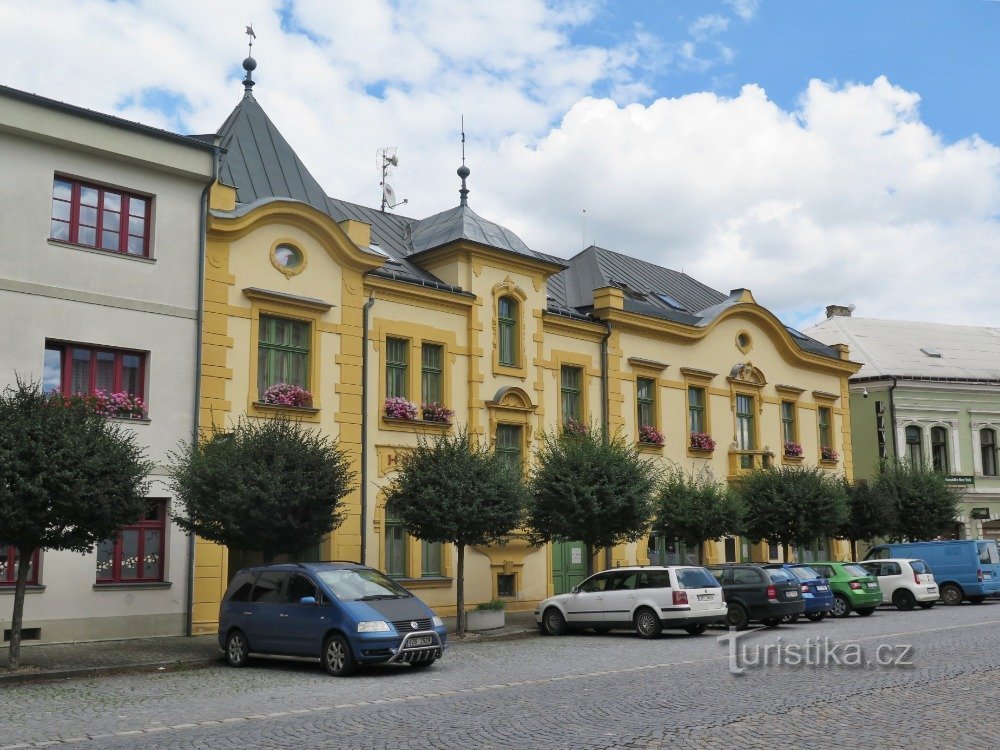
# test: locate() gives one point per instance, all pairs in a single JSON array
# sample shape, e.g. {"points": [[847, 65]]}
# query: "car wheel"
{"points": [[237, 649], [422, 664], [772, 622], [337, 658], [865, 611], [926, 605], [816, 616], [841, 606], [904, 600], [698, 629], [789, 619], [977, 599], [951, 594], [737, 617], [553, 622], [647, 623]]}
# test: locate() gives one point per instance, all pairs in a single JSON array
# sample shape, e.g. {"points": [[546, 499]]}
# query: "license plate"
{"points": [[932, 589], [420, 640], [872, 585], [791, 594], [987, 576], [705, 597], [822, 588]]}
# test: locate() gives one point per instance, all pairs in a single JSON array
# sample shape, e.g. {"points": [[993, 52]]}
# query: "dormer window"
{"points": [[507, 317]]}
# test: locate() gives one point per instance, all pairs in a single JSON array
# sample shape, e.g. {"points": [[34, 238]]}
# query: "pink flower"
{"points": [[398, 407], [286, 394], [827, 453], [702, 441], [435, 412], [650, 435], [793, 449]]}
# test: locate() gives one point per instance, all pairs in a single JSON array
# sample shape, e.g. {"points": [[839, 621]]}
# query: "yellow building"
{"points": [[358, 305]]}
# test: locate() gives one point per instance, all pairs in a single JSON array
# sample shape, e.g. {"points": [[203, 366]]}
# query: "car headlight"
{"points": [[437, 622], [373, 626]]}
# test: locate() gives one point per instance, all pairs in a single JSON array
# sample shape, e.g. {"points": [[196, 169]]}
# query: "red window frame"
{"points": [[8, 576], [119, 217], [158, 522], [67, 361]]}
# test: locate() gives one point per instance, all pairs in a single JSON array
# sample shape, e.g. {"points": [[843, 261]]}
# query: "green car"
{"points": [[853, 587]]}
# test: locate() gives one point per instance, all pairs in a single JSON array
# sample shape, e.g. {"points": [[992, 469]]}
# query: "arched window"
{"points": [[939, 449], [914, 445], [507, 331], [988, 446]]}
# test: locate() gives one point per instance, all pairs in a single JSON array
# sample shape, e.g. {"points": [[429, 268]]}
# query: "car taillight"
{"points": [[722, 591], [979, 575], [680, 597], [855, 585], [805, 589], [772, 592], [916, 577]]}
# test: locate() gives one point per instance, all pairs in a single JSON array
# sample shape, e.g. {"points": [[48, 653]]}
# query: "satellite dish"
{"points": [[389, 193]]}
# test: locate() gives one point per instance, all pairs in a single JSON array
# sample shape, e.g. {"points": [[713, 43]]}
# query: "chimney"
{"points": [[839, 311]]}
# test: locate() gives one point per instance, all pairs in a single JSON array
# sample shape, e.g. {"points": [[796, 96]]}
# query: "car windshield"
{"points": [[919, 566], [805, 573], [856, 570], [696, 578], [361, 585], [779, 575]]}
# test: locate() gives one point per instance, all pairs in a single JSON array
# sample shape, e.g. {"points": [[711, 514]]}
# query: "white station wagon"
{"points": [[645, 599]]}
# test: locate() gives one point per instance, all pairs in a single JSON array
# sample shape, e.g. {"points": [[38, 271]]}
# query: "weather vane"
{"points": [[249, 33]]}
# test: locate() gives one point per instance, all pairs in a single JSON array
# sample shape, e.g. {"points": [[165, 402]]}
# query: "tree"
{"points": [[69, 479], [871, 514], [271, 485], [926, 506], [458, 490], [793, 504], [695, 508], [588, 487]]}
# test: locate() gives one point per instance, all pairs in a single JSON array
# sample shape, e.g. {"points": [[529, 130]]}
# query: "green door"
{"points": [[569, 565]]}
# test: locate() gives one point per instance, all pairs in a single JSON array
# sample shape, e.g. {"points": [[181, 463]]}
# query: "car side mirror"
{"points": [[575, 590], [310, 600]]}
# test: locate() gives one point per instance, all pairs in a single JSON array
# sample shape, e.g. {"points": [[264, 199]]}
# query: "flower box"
{"points": [[793, 450], [286, 394], [435, 412], [701, 441], [649, 435], [398, 407], [826, 453]]}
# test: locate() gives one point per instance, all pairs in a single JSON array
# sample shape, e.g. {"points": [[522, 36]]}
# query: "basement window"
{"points": [[27, 634]]}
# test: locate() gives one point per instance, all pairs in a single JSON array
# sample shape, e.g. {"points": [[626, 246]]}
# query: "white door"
{"points": [[587, 604], [619, 598]]}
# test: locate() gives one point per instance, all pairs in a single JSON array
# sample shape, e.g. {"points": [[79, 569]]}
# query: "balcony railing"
{"points": [[740, 462]]}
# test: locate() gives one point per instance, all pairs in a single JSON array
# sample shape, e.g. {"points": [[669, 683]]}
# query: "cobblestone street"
{"points": [[580, 691]]}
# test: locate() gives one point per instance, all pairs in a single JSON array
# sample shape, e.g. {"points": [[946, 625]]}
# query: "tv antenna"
{"points": [[387, 161]]}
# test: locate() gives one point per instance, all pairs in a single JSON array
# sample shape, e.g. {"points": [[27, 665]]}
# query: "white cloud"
{"points": [[708, 26], [745, 9]]}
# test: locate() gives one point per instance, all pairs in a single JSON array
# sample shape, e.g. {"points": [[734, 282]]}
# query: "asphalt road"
{"points": [[578, 691]]}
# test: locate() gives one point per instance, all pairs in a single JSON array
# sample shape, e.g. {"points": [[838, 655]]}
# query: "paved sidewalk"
{"points": [[63, 660]]}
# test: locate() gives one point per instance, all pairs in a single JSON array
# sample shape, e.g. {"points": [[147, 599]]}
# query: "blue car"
{"points": [[345, 614], [816, 592]]}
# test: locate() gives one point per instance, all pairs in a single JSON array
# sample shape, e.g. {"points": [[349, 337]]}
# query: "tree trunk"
{"points": [[460, 589], [854, 549], [590, 559], [23, 565], [785, 550]]}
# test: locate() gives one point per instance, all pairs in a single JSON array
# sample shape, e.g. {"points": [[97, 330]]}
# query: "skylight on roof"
{"points": [[930, 351], [669, 301]]}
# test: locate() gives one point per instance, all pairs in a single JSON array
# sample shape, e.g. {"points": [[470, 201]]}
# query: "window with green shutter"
{"points": [[746, 436], [825, 436], [571, 379], [430, 555], [507, 331], [396, 360], [509, 443], [432, 374], [696, 409], [282, 353], [645, 399], [395, 546], [788, 431]]}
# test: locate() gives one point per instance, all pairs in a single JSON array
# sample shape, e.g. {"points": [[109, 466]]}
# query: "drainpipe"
{"points": [[605, 405], [364, 428], [892, 419], [199, 320]]}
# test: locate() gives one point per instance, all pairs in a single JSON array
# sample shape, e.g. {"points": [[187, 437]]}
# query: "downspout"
{"points": [[199, 336], [892, 419], [364, 429], [605, 405]]}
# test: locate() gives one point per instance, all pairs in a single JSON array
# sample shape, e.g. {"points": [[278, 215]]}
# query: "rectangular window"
{"points": [[506, 585], [746, 436], [571, 382], [696, 409], [397, 356], [100, 217], [430, 556], [432, 374], [988, 447], [939, 449], [395, 546], [282, 353], [509, 443], [789, 433], [9, 560], [76, 369], [136, 554], [645, 401], [825, 433], [507, 331]]}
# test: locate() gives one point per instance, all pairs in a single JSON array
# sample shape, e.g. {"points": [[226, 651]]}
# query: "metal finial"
{"points": [[249, 65], [463, 171]]}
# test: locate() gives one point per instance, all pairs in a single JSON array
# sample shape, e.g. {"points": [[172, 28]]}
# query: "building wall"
{"points": [[51, 290]]}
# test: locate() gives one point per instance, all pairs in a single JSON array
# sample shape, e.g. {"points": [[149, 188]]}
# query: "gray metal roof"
{"points": [[897, 348]]}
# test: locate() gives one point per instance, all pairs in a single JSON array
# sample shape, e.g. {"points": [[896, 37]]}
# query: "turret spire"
{"points": [[463, 171], [249, 65]]}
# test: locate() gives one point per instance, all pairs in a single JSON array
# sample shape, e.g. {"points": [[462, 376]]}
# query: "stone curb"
{"points": [[149, 666]]}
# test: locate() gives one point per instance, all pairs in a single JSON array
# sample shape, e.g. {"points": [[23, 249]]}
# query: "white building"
{"points": [[100, 250]]}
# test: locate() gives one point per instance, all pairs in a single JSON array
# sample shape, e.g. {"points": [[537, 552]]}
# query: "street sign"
{"points": [[958, 479]]}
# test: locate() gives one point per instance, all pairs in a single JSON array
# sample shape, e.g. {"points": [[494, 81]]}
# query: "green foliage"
{"points": [[793, 504], [871, 512], [494, 605], [69, 477], [695, 508], [926, 507], [271, 485], [588, 488], [456, 489]]}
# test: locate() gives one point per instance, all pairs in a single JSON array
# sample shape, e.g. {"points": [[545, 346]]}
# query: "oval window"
{"points": [[743, 341], [287, 256]]}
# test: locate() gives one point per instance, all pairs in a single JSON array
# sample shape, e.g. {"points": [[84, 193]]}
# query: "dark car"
{"points": [[754, 593], [816, 592], [344, 614]]}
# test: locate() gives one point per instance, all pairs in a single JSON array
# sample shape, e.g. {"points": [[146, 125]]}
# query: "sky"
{"points": [[814, 152]]}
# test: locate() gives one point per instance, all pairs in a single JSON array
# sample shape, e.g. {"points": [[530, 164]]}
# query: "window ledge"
{"points": [[388, 423], [430, 582], [132, 586], [130, 420], [282, 407], [32, 588], [98, 251], [700, 452], [792, 459], [829, 463], [649, 447]]}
